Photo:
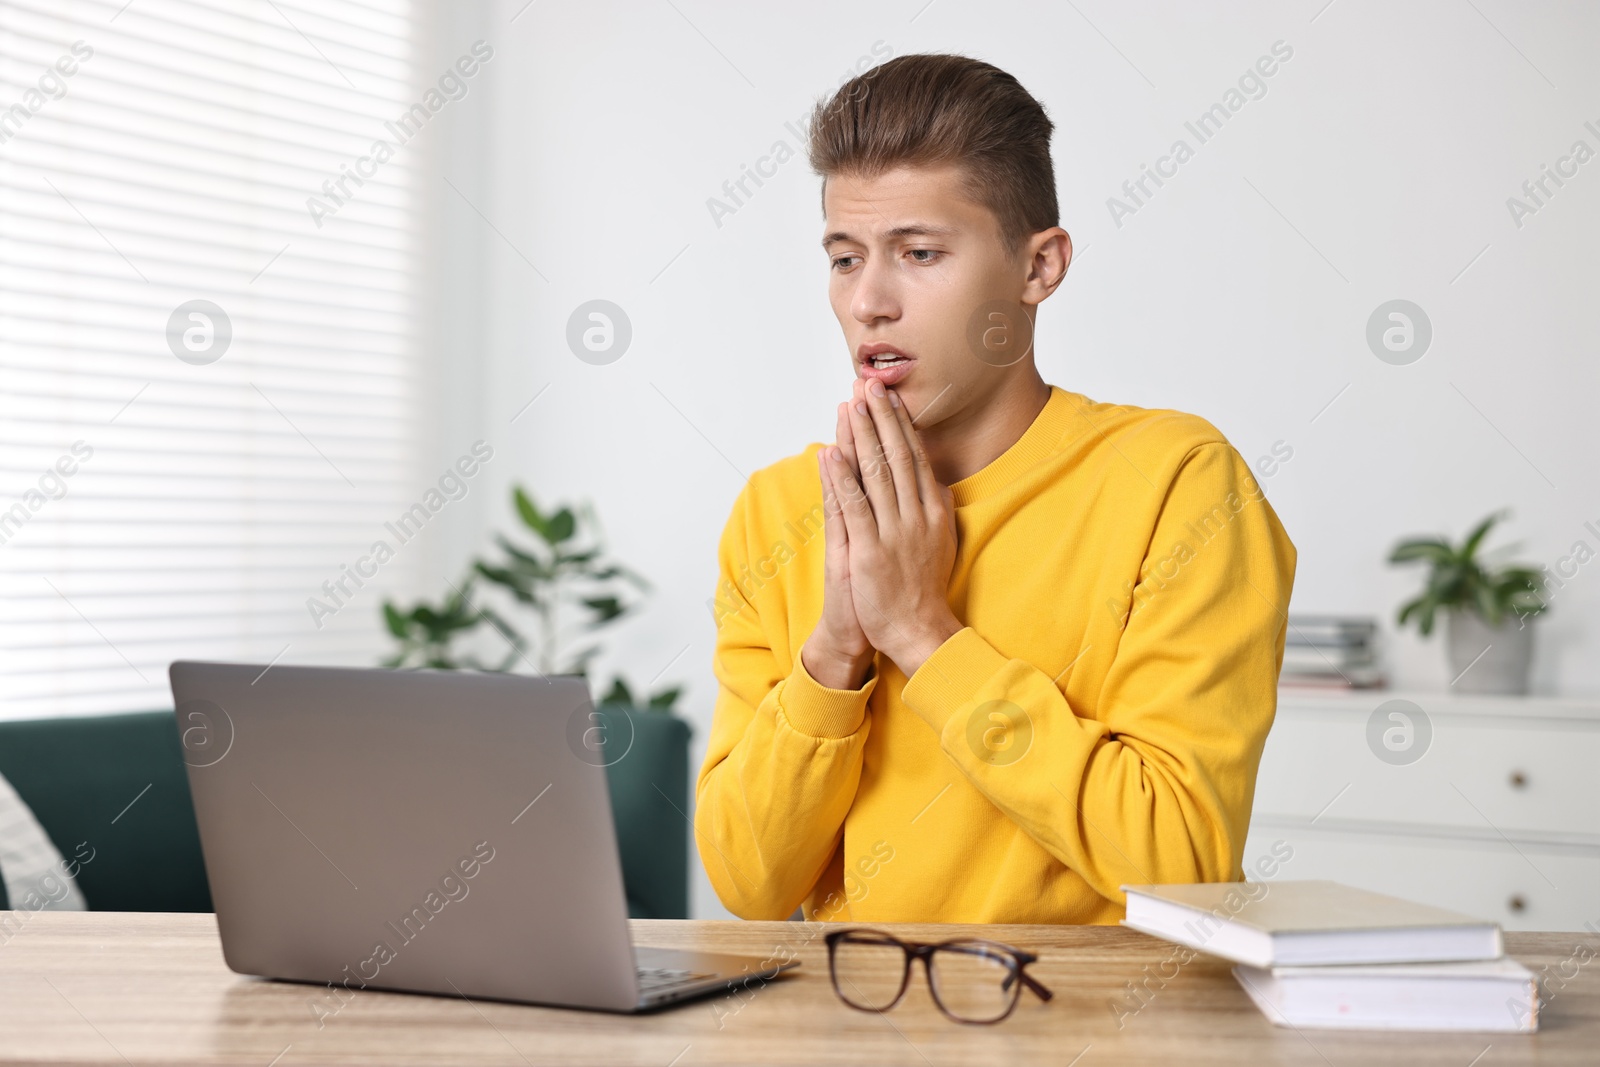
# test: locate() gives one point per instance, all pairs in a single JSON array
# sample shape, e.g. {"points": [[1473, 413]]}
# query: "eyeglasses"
{"points": [[972, 981]]}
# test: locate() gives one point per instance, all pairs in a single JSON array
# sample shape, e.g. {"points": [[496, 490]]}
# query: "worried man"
{"points": [[1034, 654]]}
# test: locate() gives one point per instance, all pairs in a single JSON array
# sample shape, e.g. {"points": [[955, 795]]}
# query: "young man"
{"points": [[1033, 655]]}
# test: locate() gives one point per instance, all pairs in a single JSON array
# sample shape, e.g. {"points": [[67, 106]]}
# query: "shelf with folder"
{"points": [[1331, 653]]}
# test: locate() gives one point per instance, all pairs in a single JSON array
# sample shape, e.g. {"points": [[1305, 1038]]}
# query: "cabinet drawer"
{"points": [[1471, 774], [1521, 888]]}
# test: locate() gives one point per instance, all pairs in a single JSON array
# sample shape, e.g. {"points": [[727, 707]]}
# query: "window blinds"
{"points": [[207, 386]]}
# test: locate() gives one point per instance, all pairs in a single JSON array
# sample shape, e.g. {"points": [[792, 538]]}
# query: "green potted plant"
{"points": [[564, 578], [1487, 609], [427, 633], [564, 568]]}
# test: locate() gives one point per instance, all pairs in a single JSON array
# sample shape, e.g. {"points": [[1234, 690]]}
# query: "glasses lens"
{"points": [[868, 972], [974, 981]]}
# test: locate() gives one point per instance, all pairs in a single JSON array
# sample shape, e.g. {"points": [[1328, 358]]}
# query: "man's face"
{"points": [[912, 262]]}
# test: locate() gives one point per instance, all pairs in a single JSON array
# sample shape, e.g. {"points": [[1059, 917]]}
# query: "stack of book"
{"points": [[1318, 954], [1331, 652]]}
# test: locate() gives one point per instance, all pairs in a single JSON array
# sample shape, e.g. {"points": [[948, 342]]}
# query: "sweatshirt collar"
{"points": [[1044, 436]]}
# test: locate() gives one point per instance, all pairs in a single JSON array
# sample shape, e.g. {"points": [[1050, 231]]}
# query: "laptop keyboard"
{"points": [[653, 979]]}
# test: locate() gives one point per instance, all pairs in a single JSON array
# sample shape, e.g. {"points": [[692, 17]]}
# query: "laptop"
{"points": [[420, 831]]}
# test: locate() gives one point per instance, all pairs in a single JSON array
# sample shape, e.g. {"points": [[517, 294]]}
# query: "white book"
{"points": [[1490, 995], [1307, 923]]}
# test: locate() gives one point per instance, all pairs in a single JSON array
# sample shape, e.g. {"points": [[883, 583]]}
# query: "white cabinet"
{"points": [[1489, 805]]}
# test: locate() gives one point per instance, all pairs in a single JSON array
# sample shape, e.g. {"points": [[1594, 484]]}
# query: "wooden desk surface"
{"points": [[109, 988]]}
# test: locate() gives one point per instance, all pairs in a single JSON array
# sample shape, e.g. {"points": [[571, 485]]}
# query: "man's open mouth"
{"points": [[886, 365]]}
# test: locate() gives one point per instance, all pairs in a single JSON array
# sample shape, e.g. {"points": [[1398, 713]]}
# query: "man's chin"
{"points": [[926, 405]]}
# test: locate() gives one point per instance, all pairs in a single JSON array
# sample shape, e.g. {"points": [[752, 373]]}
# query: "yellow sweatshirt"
{"points": [[1123, 584]]}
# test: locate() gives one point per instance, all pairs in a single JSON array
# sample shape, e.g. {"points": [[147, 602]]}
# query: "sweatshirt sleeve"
{"points": [[1157, 787], [784, 756]]}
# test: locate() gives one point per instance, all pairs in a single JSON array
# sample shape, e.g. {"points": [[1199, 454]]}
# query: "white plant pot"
{"points": [[1485, 659]]}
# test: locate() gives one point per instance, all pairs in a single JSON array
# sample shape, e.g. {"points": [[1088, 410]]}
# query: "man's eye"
{"points": [[842, 262], [931, 253]]}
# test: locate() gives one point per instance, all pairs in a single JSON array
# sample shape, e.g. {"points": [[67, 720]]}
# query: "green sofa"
{"points": [[118, 783]]}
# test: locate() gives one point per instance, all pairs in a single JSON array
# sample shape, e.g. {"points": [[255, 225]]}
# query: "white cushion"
{"points": [[36, 877]]}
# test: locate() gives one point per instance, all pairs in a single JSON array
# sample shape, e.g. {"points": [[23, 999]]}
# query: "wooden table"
{"points": [[110, 988]]}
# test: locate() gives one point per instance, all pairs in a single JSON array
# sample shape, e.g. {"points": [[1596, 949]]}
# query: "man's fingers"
{"points": [[928, 487], [852, 498], [877, 479], [834, 534], [891, 428], [846, 439]]}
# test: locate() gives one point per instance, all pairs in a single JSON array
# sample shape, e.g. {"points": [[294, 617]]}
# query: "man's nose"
{"points": [[877, 293]]}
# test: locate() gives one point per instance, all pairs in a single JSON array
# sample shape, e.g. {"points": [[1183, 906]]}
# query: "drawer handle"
{"points": [[1519, 780], [1517, 904]]}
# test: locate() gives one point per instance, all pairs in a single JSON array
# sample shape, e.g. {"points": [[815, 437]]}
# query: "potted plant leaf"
{"points": [[1487, 610]]}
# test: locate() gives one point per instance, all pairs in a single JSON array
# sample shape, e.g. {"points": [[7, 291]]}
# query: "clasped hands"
{"points": [[890, 533]]}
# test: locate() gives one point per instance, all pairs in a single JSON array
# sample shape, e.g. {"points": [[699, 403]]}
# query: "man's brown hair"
{"points": [[933, 108]]}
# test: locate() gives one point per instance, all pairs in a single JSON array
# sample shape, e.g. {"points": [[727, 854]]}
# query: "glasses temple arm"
{"points": [[1032, 983]]}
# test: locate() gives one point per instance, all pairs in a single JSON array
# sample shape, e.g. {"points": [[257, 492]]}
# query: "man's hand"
{"points": [[837, 654], [899, 529]]}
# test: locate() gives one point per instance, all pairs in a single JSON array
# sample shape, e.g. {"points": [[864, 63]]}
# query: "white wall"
{"points": [[1377, 166]]}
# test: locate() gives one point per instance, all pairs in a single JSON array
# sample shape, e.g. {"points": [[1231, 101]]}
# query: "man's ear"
{"points": [[1049, 256]]}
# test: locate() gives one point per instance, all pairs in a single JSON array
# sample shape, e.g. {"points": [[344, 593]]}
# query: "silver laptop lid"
{"points": [[427, 831]]}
